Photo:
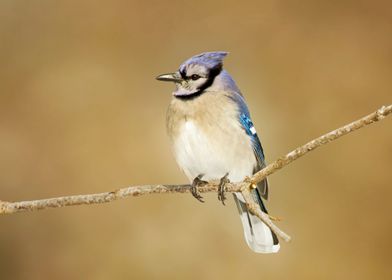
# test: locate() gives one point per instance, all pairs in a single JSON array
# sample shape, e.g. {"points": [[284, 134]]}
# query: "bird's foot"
{"points": [[197, 182], [221, 189]]}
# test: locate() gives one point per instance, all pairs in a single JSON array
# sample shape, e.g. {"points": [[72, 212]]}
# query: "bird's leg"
{"points": [[197, 182], [221, 189]]}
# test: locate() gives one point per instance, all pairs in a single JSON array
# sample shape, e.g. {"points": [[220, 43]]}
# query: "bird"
{"points": [[213, 138]]}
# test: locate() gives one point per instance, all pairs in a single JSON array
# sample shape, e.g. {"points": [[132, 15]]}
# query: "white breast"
{"points": [[226, 149]]}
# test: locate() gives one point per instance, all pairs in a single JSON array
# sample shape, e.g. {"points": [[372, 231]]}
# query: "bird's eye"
{"points": [[195, 77]]}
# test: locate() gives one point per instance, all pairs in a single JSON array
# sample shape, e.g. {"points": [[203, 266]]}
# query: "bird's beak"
{"points": [[170, 77]]}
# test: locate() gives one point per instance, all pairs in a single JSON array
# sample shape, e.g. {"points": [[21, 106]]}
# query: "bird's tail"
{"points": [[257, 234]]}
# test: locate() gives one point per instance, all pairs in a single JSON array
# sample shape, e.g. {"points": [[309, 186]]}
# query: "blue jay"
{"points": [[213, 138]]}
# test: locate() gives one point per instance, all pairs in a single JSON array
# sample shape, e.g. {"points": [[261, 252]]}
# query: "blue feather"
{"points": [[251, 131]]}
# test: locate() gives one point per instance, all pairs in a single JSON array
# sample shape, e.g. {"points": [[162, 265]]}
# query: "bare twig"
{"points": [[243, 187], [376, 116], [255, 210]]}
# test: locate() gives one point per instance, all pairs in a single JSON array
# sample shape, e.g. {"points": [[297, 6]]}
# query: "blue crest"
{"points": [[209, 59]]}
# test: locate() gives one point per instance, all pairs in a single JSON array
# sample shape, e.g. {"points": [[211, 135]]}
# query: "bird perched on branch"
{"points": [[213, 138]]}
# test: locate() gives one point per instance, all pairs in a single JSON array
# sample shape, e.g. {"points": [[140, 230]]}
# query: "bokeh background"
{"points": [[80, 112]]}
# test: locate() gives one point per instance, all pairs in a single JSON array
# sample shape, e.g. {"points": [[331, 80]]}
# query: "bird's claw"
{"points": [[221, 189], [197, 182]]}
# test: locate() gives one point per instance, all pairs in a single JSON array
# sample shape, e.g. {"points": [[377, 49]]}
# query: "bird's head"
{"points": [[196, 74]]}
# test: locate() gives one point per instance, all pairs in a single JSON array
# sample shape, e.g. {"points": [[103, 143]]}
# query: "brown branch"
{"points": [[376, 116], [243, 187]]}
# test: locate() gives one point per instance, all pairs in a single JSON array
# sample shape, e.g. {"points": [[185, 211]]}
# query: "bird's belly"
{"points": [[215, 154]]}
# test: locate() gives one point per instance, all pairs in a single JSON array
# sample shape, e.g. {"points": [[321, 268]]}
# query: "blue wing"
{"points": [[251, 131], [258, 150], [262, 187], [246, 122]]}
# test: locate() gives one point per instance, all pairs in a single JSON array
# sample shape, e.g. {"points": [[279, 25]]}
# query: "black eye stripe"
{"points": [[210, 79], [195, 77]]}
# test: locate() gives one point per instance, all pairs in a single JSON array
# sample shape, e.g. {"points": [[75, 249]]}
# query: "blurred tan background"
{"points": [[80, 112]]}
